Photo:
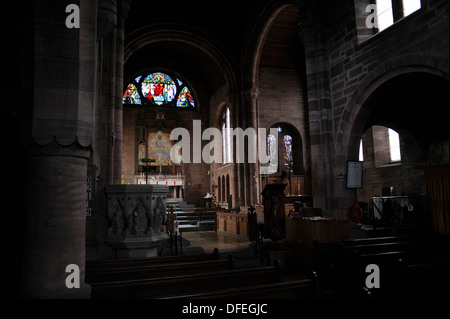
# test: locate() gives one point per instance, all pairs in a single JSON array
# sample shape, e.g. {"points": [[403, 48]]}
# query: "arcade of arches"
{"points": [[93, 103]]}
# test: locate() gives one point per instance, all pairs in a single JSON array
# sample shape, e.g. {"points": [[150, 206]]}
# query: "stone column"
{"points": [[55, 221], [237, 183], [59, 148], [319, 106], [111, 18], [107, 23], [122, 9], [251, 98]]}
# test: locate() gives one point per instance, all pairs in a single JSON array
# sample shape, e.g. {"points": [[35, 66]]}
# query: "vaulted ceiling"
{"points": [[225, 25], [283, 47]]}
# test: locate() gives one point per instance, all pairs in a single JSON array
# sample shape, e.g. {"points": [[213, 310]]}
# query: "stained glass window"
{"points": [[272, 152], [159, 89], [131, 95], [185, 98], [288, 150], [272, 148]]}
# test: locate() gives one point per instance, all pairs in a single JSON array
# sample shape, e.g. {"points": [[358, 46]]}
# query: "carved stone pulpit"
{"points": [[136, 219], [274, 217]]}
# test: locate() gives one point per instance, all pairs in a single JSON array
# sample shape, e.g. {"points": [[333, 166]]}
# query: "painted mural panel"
{"points": [[159, 145]]}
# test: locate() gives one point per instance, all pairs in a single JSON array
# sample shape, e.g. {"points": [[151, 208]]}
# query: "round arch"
{"points": [[297, 145], [352, 122], [190, 36], [255, 39]]}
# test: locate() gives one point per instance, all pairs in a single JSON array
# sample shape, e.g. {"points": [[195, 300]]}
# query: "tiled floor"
{"points": [[209, 240]]}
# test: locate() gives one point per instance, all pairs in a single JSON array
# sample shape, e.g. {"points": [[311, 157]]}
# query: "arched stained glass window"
{"points": [[272, 148], [288, 150], [185, 98], [158, 89], [131, 95], [272, 152]]}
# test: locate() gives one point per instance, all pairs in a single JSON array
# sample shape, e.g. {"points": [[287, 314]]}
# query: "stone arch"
{"points": [[352, 121], [255, 40], [299, 148], [193, 37]]}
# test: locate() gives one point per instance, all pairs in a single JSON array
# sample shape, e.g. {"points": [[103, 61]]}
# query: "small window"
{"points": [[226, 136], [410, 6], [394, 145], [374, 16], [361, 154], [384, 14]]}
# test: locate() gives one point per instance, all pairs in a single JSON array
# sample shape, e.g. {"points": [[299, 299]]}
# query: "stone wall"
{"points": [[349, 73]]}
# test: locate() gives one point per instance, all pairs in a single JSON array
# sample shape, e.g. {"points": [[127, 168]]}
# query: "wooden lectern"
{"points": [[274, 216]]}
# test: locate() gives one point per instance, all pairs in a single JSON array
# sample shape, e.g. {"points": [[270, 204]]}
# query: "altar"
{"points": [[175, 183]]}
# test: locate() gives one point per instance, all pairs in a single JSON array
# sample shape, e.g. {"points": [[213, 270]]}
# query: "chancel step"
{"points": [[191, 219]]}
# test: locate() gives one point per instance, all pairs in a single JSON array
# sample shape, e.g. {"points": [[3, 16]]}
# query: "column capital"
{"points": [[250, 94]]}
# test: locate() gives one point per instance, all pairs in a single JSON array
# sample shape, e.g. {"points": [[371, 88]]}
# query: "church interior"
{"points": [[279, 149]]}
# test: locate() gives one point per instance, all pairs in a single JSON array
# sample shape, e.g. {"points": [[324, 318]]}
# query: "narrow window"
{"points": [[384, 14], [226, 136], [361, 154], [224, 144], [410, 6], [394, 145], [288, 150]]}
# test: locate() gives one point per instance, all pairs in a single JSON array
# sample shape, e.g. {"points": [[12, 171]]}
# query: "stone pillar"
{"points": [[107, 23], [55, 221], [319, 106], [122, 9], [111, 18], [237, 181], [252, 178], [58, 151]]}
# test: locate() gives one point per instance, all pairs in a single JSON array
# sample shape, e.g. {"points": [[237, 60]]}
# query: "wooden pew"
{"points": [[137, 272], [281, 290], [330, 258], [96, 265], [185, 284], [427, 280], [391, 286], [341, 266]]}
